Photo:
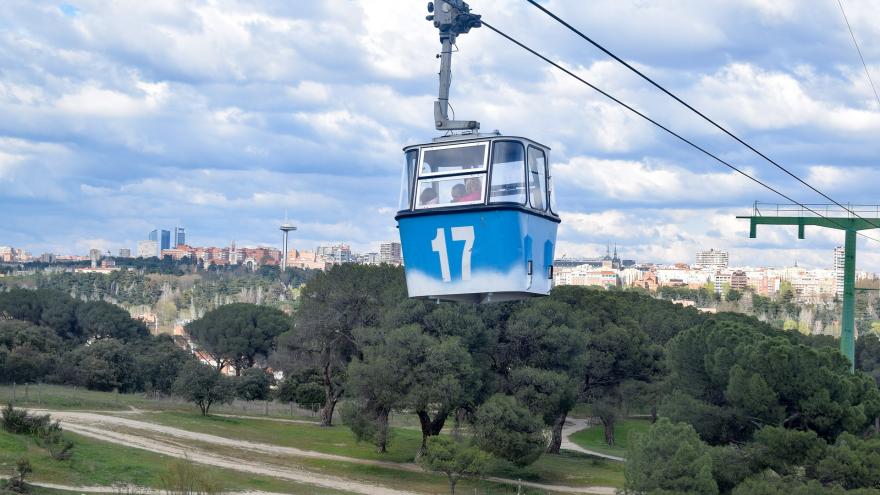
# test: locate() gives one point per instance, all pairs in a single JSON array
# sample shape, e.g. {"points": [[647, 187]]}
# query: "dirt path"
{"points": [[140, 490], [100, 427], [229, 462], [573, 426]]}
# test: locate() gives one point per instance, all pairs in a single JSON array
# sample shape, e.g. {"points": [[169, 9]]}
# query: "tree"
{"points": [[253, 384], [157, 363], [547, 394], [669, 458], [452, 371], [508, 430], [381, 377], [733, 378], [107, 365], [734, 295], [236, 334], [203, 385], [453, 458], [332, 306], [102, 320], [22, 469], [547, 357]]}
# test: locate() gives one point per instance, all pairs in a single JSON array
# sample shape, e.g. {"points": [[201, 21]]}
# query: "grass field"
{"points": [[568, 468], [99, 463], [68, 398], [594, 438]]}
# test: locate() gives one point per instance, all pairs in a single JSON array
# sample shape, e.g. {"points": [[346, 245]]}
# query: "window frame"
{"points": [[545, 191], [480, 175], [423, 150], [412, 178], [525, 164]]}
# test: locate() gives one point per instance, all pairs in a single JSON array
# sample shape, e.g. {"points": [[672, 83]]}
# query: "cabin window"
{"points": [[406, 181], [508, 173], [451, 191], [454, 159], [537, 179]]}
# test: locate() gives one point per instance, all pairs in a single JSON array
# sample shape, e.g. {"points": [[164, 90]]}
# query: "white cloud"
{"points": [[649, 181]]}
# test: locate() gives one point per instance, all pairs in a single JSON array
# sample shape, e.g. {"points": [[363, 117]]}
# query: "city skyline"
{"points": [[248, 115]]}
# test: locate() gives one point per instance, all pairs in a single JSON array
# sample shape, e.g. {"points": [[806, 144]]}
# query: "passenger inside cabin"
{"points": [[428, 197], [473, 187], [458, 193]]}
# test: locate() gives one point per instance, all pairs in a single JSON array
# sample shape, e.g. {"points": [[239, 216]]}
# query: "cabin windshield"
{"points": [[452, 175], [454, 159], [406, 180], [508, 173]]}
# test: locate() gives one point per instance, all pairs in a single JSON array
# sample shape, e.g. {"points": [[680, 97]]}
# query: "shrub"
{"points": [[183, 478]]}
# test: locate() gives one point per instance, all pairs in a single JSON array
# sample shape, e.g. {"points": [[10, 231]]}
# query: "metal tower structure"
{"points": [[850, 220], [286, 227]]}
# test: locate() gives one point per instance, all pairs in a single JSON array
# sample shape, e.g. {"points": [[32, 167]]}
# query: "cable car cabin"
{"points": [[477, 219]]}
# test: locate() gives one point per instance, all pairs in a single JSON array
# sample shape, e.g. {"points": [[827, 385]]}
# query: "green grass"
{"points": [[99, 463], [569, 468], [594, 438], [59, 397], [337, 440]]}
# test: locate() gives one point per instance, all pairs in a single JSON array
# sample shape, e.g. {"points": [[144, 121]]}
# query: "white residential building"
{"points": [[147, 249], [839, 259], [712, 260]]}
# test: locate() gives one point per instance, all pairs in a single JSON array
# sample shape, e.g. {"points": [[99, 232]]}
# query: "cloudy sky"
{"points": [[220, 115]]}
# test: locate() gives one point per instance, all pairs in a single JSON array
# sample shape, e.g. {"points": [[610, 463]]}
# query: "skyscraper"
{"points": [[163, 240], [179, 236]]}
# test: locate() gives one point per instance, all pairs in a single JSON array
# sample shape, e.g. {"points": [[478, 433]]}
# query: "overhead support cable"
{"points": [[692, 109], [663, 127], [859, 50]]}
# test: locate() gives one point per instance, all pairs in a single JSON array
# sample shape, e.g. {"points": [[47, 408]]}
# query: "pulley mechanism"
{"points": [[451, 18]]}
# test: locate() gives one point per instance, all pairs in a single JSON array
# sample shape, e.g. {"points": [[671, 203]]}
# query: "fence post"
{"points": [[13, 391], [27, 395], [267, 407]]}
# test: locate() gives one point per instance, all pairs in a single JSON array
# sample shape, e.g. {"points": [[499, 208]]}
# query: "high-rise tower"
{"points": [[285, 228]]}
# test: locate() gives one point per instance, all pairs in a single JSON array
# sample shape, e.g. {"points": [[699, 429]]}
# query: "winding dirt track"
{"points": [[174, 443]]}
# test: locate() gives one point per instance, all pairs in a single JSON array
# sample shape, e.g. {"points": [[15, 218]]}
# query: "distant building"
{"points": [[336, 254], [125, 253], [306, 260], [739, 280], [147, 249], [586, 275], [47, 258], [95, 257], [712, 260], [162, 238], [389, 252], [839, 260], [179, 236]]}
